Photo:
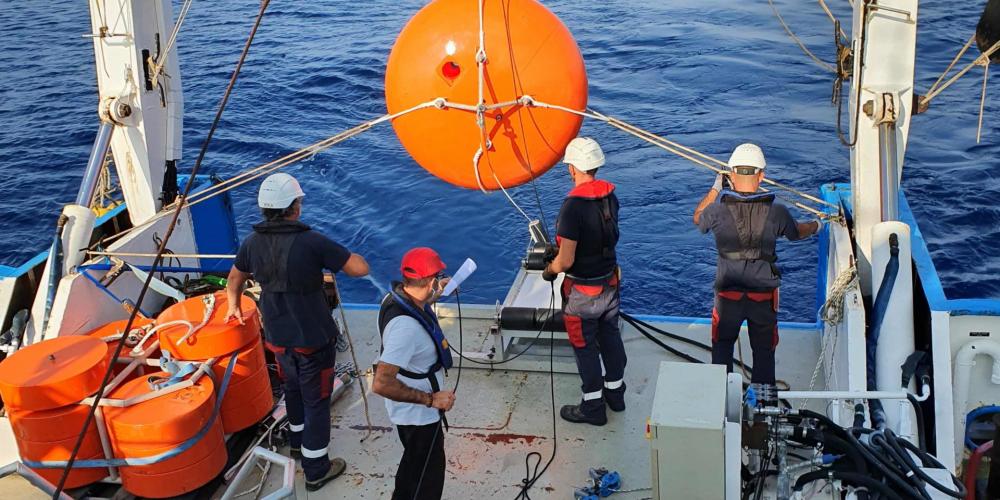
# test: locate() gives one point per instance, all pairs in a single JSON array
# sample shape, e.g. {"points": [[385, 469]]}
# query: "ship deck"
{"points": [[502, 415]]}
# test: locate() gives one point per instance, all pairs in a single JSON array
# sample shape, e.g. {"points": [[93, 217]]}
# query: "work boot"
{"points": [[615, 398], [587, 412], [337, 467]]}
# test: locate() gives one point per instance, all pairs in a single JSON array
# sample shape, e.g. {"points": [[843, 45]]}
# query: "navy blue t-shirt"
{"points": [[747, 275], [288, 259]]}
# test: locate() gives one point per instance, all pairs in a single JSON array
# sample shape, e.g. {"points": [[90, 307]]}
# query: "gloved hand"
{"points": [[550, 253], [548, 275], [717, 187]]}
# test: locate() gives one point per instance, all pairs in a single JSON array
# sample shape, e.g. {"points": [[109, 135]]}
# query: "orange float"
{"points": [[216, 338], [49, 435], [109, 333], [159, 425], [53, 373], [529, 52], [248, 398]]}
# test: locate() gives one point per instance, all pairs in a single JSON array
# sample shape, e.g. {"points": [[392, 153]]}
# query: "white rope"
{"points": [[162, 56], [265, 169], [983, 59], [982, 101], [953, 63], [833, 18], [832, 312], [825, 65]]}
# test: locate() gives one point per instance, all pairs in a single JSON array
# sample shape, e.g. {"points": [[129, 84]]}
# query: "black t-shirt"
{"points": [[288, 259], [581, 219], [747, 275]]}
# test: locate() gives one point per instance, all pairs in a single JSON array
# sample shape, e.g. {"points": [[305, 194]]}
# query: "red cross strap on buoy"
{"points": [[478, 61]]}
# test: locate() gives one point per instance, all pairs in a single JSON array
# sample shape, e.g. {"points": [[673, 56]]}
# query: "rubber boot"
{"points": [[587, 412], [615, 398]]}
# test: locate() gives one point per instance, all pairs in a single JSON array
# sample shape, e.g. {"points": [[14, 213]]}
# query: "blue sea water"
{"points": [[708, 73]]}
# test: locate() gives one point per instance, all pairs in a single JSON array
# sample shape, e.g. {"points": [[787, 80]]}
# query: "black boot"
{"points": [[615, 398], [587, 412], [337, 467]]}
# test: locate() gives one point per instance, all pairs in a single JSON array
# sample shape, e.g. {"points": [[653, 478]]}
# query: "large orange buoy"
{"points": [[248, 398], [217, 338], [49, 435], [159, 425], [53, 373], [529, 52], [109, 334]]}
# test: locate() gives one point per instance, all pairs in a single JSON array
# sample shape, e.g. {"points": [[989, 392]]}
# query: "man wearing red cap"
{"points": [[409, 375]]}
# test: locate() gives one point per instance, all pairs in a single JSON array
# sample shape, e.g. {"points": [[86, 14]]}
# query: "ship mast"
{"points": [[881, 105]]}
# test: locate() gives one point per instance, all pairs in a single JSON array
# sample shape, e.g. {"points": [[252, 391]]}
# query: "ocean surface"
{"points": [[708, 73]]}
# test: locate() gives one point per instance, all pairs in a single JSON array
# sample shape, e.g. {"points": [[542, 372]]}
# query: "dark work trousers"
{"points": [[759, 310], [422, 445], [590, 313], [307, 376]]}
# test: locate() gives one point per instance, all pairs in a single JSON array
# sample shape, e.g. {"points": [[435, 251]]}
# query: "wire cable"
{"points": [[162, 248]]}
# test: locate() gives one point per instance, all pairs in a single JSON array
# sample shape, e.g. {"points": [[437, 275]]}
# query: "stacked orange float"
{"points": [[248, 398], [159, 425], [41, 386]]}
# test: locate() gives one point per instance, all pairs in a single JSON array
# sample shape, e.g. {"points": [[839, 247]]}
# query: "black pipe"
{"points": [[872, 459], [847, 477], [531, 319], [920, 420]]}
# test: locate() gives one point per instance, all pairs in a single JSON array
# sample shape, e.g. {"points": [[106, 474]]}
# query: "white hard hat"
{"points": [[279, 191], [747, 155], [585, 154]]}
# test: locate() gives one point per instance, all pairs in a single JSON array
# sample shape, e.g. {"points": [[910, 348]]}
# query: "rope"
{"points": [[954, 61], [982, 100], [160, 250], [833, 19], [157, 66], [982, 60], [354, 358], [823, 64], [267, 168], [832, 312]]}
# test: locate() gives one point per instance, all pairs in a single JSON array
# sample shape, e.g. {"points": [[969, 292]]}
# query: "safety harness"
{"points": [[597, 194], [750, 225], [396, 304]]}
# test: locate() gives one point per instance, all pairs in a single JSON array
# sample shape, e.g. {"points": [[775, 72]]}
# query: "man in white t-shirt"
{"points": [[410, 371]]}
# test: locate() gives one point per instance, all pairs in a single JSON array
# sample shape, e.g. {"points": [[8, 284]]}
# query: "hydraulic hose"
{"points": [[872, 459], [920, 420], [853, 478], [880, 307]]}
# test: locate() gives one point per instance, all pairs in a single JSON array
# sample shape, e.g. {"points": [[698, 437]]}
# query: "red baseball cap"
{"points": [[421, 262]]}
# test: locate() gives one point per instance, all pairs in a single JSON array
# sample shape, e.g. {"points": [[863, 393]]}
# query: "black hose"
{"points": [[928, 460], [632, 320], [872, 459], [853, 478], [834, 443], [921, 440], [671, 350]]}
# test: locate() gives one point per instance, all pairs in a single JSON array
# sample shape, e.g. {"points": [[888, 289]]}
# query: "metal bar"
{"points": [[173, 255], [841, 394], [97, 155], [102, 432], [166, 269], [889, 171], [33, 478], [287, 489]]}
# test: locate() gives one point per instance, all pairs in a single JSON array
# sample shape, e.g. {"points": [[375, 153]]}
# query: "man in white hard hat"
{"points": [[746, 224], [587, 234], [287, 259]]}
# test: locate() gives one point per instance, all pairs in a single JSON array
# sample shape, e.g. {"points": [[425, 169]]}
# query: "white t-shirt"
{"points": [[407, 345]]}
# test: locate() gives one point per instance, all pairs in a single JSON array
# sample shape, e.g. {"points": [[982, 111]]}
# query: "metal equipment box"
{"points": [[687, 432]]}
